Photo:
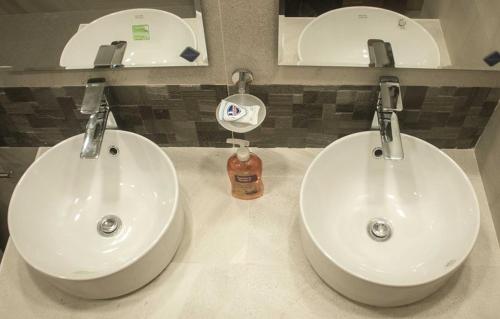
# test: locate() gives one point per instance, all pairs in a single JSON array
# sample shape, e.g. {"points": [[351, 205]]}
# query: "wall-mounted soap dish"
{"points": [[241, 78]]}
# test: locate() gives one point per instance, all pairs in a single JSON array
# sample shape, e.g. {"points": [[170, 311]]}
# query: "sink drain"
{"points": [[379, 229], [113, 150], [109, 225], [377, 152]]}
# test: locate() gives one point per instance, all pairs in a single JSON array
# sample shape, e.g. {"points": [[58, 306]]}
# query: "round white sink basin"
{"points": [[98, 228], [382, 232], [339, 38]]}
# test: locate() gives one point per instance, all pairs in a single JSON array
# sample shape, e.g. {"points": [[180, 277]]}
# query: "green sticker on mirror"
{"points": [[140, 32]]}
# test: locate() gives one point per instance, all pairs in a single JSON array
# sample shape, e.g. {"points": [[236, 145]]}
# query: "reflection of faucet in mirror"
{"points": [[385, 119], [380, 54], [96, 104], [110, 56]]}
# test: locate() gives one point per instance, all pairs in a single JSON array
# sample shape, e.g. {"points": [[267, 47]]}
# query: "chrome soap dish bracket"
{"points": [[241, 78]]}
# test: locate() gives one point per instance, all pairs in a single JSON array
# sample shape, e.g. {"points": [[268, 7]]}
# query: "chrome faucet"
{"points": [[96, 104], [380, 53], [385, 119], [95, 101]]}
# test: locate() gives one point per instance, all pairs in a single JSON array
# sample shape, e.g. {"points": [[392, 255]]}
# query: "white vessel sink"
{"points": [[58, 207], [168, 36], [339, 37], [427, 203]]}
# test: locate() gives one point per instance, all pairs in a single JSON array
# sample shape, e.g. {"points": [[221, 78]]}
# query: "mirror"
{"points": [[81, 34], [428, 34]]}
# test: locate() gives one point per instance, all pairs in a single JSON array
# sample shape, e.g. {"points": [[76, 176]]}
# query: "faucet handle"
{"points": [[94, 93], [390, 95]]}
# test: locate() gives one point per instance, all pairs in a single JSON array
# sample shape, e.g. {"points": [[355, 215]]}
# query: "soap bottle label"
{"points": [[245, 185], [245, 179]]}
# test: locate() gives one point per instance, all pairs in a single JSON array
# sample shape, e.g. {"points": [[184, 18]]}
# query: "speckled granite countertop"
{"points": [[243, 259]]}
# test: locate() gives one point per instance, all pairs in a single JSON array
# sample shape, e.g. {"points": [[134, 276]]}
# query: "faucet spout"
{"points": [[94, 133], [386, 120], [96, 104], [392, 147]]}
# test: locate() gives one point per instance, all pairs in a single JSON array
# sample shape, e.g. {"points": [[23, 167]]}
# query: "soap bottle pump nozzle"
{"points": [[243, 153]]}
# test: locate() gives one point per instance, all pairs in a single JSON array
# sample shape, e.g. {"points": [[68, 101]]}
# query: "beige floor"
{"points": [[244, 259]]}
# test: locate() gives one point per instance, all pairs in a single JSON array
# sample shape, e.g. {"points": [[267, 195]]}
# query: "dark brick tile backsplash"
{"points": [[298, 116]]}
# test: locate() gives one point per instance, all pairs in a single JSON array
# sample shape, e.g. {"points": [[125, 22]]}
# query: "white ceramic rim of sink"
{"points": [[358, 275], [132, 260]]}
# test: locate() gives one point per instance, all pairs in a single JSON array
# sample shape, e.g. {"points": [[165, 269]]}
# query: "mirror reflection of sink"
{"points": [[98, 228], [154, 38], [385, 232], [339, 37]]}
